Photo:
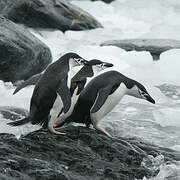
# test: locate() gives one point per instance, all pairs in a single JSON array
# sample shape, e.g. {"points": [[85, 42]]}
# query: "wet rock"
{"points": [[22, 54], [154, 46], [106, 1], [13, 113], [58, 14], [81, 154]]}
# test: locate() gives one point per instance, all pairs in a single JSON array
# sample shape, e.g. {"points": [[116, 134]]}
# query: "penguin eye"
{"points": [[144, 94], [141, 93], [100, 65], [76, 59]]}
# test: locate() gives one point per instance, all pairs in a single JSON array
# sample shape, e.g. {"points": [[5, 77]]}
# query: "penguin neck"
{"points": [[133, 91], [96, 70], [71, 64], [85, 71]]}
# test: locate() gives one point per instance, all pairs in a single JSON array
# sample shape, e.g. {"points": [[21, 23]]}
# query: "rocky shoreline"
{"points": [[82, 153]]}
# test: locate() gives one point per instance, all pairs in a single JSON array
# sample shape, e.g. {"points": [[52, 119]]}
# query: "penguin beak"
{"points": [[150, 99], [83, 62], [108, 65]]}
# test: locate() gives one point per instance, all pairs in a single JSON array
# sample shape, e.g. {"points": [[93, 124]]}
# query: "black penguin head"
{"points": [[139, 91], [98, 65], [75, 59]]}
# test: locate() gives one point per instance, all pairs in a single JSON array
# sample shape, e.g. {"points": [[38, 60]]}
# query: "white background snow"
{"points": [[159, 123]]}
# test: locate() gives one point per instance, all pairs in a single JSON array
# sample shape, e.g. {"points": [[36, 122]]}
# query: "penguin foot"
{"points": [[102, 130], [53, 131], [89, 126], [58, 123]]}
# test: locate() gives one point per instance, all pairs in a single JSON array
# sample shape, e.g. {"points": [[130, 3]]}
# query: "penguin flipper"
{"points": [[31, 81], [101, 98], [65, 95], [79, 84]]}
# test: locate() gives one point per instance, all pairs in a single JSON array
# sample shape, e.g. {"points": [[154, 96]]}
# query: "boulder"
{"points": [[13, 113], [21, 53], [58, 14], [82, 153], [154, 46], [106, 1]]}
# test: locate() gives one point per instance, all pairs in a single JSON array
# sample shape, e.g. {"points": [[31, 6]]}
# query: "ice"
{"points": [[168, 116], [159, 97], [152, 163], [168, 171], [141, 59], [21, 99], [176, 147], [164, 71]]}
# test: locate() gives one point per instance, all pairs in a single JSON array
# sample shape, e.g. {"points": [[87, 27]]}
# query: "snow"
{"points": [[121, 19]]}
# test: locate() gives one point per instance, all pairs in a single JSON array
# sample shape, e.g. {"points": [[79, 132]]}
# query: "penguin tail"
{"points": [[20, 122], [31, 81]]}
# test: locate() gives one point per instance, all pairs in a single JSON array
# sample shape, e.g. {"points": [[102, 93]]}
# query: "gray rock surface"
{"points": [[106, 1], [81, 154], [58, 14], [154, 46], [13, 113], [21, 53]]}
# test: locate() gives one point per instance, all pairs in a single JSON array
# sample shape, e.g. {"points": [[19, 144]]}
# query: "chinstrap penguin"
{"points": [[101, 95], [52, 93], [84, 75], [79, 81]]}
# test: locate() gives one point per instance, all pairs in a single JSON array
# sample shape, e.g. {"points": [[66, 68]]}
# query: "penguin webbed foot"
{"points": [[102, 130], [53, 131]]}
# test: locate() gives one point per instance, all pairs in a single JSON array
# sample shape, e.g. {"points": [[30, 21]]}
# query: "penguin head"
{"points": [[76, 60], [139, 91], [98, 65]]}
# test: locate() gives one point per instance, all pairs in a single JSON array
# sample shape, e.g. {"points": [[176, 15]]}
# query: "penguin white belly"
{"points": [[109, 104], [69, 79], [57, 106], [74, 99]]}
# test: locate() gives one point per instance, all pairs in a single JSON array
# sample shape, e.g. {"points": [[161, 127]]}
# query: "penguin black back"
{"points": [[98, 90]]}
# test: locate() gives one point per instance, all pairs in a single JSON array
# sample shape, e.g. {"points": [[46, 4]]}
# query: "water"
{"points": [[159, 123]]}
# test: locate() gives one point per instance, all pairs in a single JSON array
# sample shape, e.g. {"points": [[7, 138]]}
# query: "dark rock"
{"points": [[106, 1], [58, 14], [22, 54], [13, 113], [154, 46], [81, 154]]}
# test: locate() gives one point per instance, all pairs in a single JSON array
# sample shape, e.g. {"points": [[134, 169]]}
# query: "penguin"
{"points": [[101, 95], [79, 81], [85, 74], [51, 93]]}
